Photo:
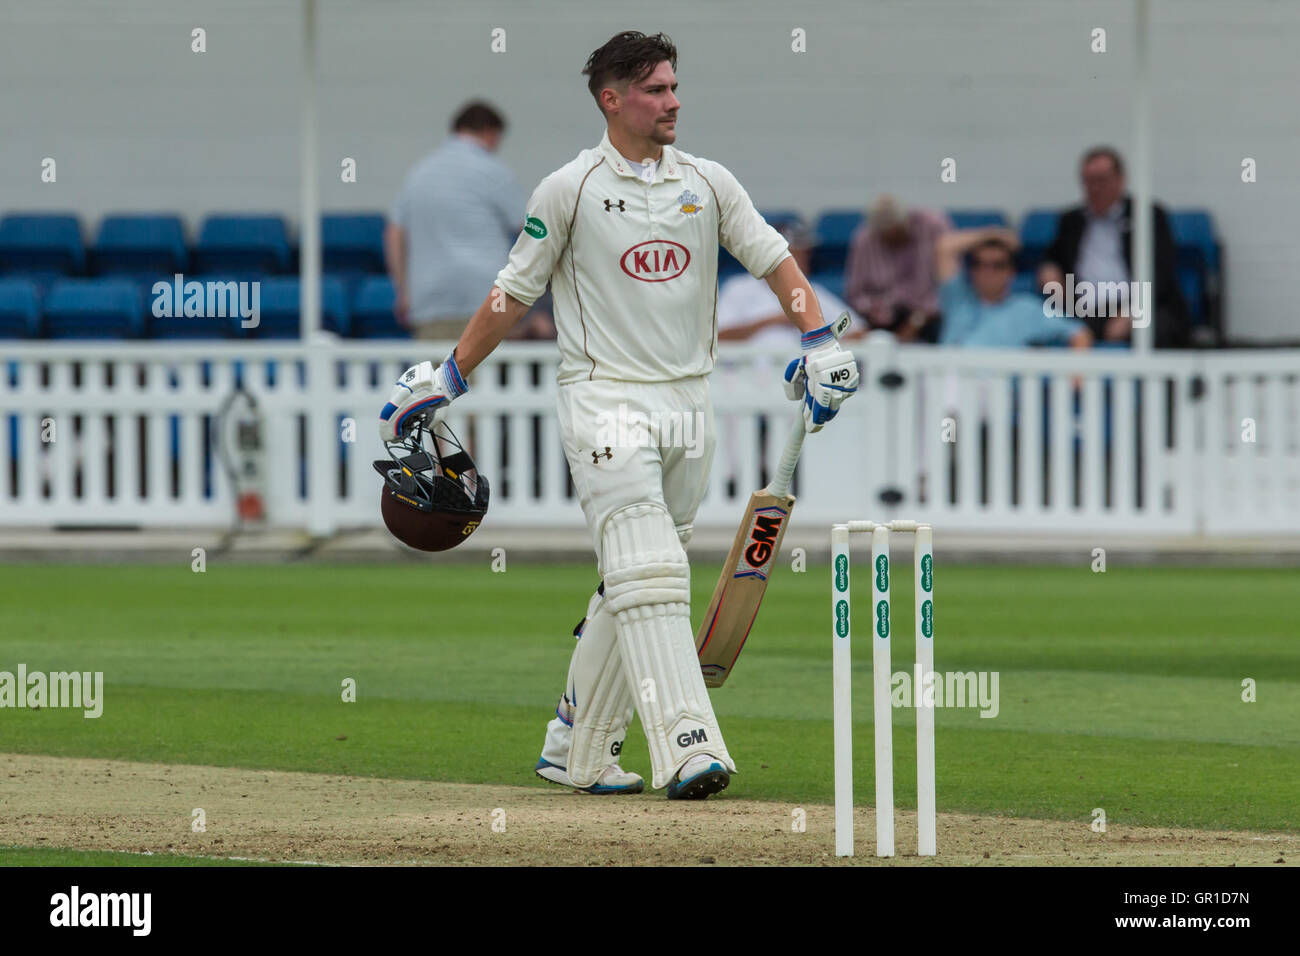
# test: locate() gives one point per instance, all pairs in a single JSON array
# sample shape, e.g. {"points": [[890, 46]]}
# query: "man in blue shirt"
{"points": [[982, 310], [452, 226]]}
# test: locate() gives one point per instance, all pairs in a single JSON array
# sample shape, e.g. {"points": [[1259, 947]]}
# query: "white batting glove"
{"points": [[423, 392], [824, 377]]}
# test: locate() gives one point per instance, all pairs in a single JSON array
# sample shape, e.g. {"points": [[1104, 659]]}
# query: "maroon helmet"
{"points": [[433, 497]]}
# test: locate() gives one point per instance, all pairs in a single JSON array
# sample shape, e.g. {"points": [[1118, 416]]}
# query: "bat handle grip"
{"points": [[780, 484]]}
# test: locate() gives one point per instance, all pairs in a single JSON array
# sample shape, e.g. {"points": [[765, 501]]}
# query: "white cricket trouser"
{"points": [[613, 468], [627, 445]]}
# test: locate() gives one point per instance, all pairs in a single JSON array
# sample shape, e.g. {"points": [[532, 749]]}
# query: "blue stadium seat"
{"points": [[20, 309], [280, 306], [248, 246], [352, 243], [834, 230], [1036, 233], [1193, 231], [976, 218], [334, 313], [42, 246], [372, 311], [1192, 285], [93, 309], [141, 246]]}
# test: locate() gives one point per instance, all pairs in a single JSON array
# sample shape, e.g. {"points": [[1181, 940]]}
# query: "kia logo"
{"points": [[657, 260]]}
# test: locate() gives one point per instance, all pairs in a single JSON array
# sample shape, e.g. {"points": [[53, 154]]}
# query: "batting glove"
{"points": [[823, 378], [422, 393]]}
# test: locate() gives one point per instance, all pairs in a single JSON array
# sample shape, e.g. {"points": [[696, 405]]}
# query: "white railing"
{"points": [[982, 440]]}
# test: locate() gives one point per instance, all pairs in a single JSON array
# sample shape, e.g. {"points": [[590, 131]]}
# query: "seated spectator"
{"points": [[1095, 243], [983, 311], [748, 309], [889, 278]]}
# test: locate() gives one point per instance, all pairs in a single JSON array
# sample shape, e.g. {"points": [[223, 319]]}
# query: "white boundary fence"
{"points": [[1021, 441]]}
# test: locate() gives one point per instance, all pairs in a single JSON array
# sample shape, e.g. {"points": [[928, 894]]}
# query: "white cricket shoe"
{"points": [[613, 779]]}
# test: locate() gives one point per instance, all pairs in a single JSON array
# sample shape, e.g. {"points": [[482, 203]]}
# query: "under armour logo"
{"points": [[596, 456], [611, 205]]}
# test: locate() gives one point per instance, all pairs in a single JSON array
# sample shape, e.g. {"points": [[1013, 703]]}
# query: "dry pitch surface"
{"points": [[273, 815]]}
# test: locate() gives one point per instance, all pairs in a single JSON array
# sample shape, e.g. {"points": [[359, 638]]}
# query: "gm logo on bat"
{"points": [[761, 548]]}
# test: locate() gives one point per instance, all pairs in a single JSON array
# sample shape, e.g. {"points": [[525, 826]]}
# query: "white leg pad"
{"points": [[648, 590], [599, 695]]}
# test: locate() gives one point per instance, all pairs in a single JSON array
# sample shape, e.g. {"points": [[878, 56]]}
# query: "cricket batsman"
{"points": [[628, 234]]}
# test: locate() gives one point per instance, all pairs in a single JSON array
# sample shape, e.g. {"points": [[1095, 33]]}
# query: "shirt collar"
{"points": [[1114, 214], [669, 164]]}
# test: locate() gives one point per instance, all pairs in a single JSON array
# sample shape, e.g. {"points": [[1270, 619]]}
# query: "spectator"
{"points": [[1095, 243], [452, 227], [983, 311], [748, 309], [890, 276]]}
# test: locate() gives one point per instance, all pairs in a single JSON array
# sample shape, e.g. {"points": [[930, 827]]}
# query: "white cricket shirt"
{"points": [[633, 265]]}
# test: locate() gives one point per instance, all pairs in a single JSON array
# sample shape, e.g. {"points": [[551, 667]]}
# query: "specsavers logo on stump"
{"points": [[656, 260]]}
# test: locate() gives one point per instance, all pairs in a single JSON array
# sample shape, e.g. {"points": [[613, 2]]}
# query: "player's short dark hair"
{"points": [[996, 244], [627, 57], [477, 117], [1109, 152]]}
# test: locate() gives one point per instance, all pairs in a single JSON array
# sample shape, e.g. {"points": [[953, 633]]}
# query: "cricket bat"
{"points": [[743, 581]]}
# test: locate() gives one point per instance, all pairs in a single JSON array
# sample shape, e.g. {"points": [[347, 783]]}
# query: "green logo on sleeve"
{"points": [[535, 227]]}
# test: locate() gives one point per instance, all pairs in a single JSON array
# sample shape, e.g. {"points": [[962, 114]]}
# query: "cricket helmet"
{"points": [[433, 496]]}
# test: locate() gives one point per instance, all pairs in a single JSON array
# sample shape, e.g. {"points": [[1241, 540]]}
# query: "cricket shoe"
{"points": [[700, 776], [613, 779]]}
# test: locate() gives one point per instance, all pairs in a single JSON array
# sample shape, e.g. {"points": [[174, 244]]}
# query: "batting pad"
{"points": [[648, 591], [601, 697]]}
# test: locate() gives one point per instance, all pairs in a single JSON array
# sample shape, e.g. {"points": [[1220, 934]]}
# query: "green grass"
{"points": [[1119, 690], [53, 856]]}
